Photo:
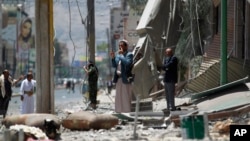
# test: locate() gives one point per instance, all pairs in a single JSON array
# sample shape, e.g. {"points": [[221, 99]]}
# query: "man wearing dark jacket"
{"points": [[170, 78], [6, 83], [122, 62]]}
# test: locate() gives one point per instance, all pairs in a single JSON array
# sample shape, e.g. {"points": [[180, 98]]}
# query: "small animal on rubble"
{"points": [[50, 129]]}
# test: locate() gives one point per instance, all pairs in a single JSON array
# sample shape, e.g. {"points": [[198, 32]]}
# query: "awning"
{"points": [[151, 10], [218, 89], [207, 81], [139, 43], [145, 73], [159, 19], [217, 2], [152, 28]]}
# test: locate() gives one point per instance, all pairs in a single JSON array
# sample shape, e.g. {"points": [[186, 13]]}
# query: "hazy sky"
{"points": [[64, 26]]}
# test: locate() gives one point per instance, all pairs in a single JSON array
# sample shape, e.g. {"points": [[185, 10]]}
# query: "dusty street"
{"points": [[126, 130]]}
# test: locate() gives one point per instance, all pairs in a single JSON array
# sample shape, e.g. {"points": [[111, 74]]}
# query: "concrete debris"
{"points": [[223, 126], [155, 125]]}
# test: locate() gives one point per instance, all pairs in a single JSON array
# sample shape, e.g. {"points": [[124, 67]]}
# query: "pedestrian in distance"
{"points": [[121, 61], [109, 86], [170, 66], [92, 73], [27, 92], [6, 82], [68, 86]]}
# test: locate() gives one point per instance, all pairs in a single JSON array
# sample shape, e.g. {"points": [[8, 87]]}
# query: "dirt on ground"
{"points": [[157, 128]]}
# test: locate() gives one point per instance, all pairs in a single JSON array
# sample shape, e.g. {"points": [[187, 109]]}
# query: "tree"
{"points": [[102, 47], [137, 5], [103, 65]]}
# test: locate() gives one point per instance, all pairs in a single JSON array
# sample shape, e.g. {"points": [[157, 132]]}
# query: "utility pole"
{"points": [[45, 56], [124, 5], [109, 50], [91, 29], [1, 26], [223, 53]]}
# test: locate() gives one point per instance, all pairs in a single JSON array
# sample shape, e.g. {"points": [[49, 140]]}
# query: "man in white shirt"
{"points": [[27, 91]]}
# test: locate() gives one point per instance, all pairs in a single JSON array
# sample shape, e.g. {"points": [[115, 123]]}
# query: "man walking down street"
{"points": [[6, 82], [170, 78]]}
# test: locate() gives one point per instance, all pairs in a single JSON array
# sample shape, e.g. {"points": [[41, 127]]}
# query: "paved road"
{"points": [[61, 96]]}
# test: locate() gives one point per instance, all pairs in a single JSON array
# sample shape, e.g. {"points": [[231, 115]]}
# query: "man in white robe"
{"points": [[27, 92], [122, 61]]}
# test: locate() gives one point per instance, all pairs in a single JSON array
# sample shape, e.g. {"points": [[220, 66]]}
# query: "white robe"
{"points": [[123, 96], [28, 103]]}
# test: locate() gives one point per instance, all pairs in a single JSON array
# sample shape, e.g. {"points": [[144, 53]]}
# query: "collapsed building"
{"points": [[213, 53]]}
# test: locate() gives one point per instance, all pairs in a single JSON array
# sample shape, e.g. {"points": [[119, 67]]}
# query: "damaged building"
{"points": [[211, 41]]}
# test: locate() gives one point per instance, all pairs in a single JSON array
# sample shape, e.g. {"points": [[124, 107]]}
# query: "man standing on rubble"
{"points": [[92, 72], [122, 61], [27, 91], [170, 78], [6, 83]]}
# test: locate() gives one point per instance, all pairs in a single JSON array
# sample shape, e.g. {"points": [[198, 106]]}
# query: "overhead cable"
{"points": [[70, 33]]}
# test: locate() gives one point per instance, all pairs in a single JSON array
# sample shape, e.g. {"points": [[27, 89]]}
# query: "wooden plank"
{"points": [[124, 116], [160, 114], [225, 114], [218, 115], [144, 106]]}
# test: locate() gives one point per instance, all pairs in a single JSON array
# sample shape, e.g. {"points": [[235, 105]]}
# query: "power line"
{"points": [[70, 33]]}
